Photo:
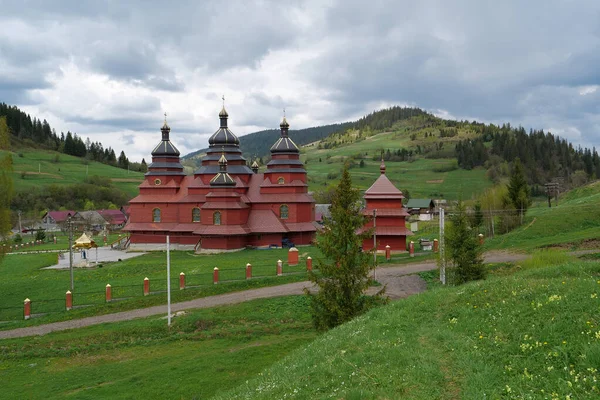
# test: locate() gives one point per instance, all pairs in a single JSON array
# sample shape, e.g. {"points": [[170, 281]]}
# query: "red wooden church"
{"points": [[384, 203], [225, 205]]}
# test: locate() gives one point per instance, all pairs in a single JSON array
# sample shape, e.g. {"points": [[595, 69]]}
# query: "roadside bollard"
{"points": [[411, 248], [248, 271], [108, 292], [181, 281], [69, 300], [146, 286], [388, 252], [480, 239], [309, 263], [216, 275], [279, 267], [27, 309], [436, 245]]}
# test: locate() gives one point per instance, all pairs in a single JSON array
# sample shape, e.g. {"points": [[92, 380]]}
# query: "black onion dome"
{"points": [[223, 136], [284, 144], [222, 178], [165, 147]]}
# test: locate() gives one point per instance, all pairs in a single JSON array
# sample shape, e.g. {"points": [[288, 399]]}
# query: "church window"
{"points": [[283, 212], [217, 218], [281, 181], [195, 214], [156, 215], [157, 182]]}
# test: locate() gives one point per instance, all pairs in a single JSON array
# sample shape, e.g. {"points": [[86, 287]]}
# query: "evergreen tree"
{"points": [[518, 190], [5, 179], [344, 273], [463, 249]]}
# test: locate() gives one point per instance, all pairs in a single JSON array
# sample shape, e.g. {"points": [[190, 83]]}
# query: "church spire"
{"points": [[165, 129], [382, 167], [284, 126], [223, 115]]}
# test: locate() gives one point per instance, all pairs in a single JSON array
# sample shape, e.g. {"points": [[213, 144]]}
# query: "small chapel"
{"points": [[383, 203], [226, 204]]}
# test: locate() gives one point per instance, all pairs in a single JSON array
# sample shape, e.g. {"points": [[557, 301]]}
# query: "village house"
{"points": [[423, 208], [56, 220]]}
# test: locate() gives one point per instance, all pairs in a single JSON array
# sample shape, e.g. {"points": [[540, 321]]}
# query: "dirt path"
{"points": [[399, 279]]}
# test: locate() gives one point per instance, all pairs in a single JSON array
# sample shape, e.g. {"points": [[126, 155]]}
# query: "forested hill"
{"points": [[27, 132], [257, 144]]}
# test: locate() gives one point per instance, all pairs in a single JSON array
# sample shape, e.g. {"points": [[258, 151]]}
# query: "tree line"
{"points": [[544, 155], [39, 134]]}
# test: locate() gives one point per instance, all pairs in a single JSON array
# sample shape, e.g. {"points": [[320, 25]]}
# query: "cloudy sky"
{"points": [[108, 70]]}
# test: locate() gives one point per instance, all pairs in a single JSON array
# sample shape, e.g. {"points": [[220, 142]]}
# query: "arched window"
{"points": [[217, 218], [281, 181], [195, 214], [156, 215], [283, 211]]}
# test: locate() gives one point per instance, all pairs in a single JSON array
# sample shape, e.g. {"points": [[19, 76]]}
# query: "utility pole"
{"points": [[442, 249], [20, 227], [70, 230], [168, 282]]}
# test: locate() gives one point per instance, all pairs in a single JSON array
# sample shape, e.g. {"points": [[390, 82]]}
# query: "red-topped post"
{"points": [[436, 245], [216, 275], [279, 267], [69, 300], [248, 271], [293, 256], [309, 263], [388, 252], [181, 281], [411, 248], [108, 292], [27, 309], [146, 286]]}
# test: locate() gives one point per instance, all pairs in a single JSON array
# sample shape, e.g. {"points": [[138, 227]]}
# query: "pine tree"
{"points": [[344, 271], [463, 249], [518, 190]]}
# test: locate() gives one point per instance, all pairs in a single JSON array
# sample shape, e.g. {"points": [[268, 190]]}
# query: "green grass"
{"points": [[204, 352], [571, 224], [534, 334], [67, 171], [46, 288]]}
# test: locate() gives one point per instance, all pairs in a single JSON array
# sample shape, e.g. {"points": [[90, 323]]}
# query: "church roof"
{"points": [[383, 188], [223, 136], [284, 144], [265, 221]]}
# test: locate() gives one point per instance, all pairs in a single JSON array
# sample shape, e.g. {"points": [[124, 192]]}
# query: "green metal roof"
{"points": [[419, 203]]}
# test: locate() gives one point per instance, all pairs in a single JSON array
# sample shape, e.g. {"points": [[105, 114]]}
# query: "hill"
{"points": [[531, 335], [44, 179], [257, 144], [573, 223]]}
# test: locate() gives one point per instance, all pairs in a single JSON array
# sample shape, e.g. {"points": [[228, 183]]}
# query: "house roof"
{"points": [[113, 216], [60, 216], [419, 203]]}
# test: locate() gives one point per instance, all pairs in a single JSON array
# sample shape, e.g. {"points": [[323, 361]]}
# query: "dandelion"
{"points": [[594, 295]]}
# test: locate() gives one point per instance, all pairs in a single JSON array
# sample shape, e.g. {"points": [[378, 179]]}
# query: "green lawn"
{"points": [[46, 288], [531, 335], [41, 169], [204, 352]]}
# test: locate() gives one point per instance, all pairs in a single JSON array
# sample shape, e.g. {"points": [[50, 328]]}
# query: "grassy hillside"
{"points": [[40, 168], [532, 335], [574, 223], [432, 173]]}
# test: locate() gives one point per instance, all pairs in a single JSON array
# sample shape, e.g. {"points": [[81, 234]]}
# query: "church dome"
{"points": [[223, 136], [284, 144]]}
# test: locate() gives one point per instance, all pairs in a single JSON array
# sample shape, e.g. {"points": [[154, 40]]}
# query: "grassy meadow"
{"points": [[573, 224], [203, 353], [531, 334], [41, 168]]}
